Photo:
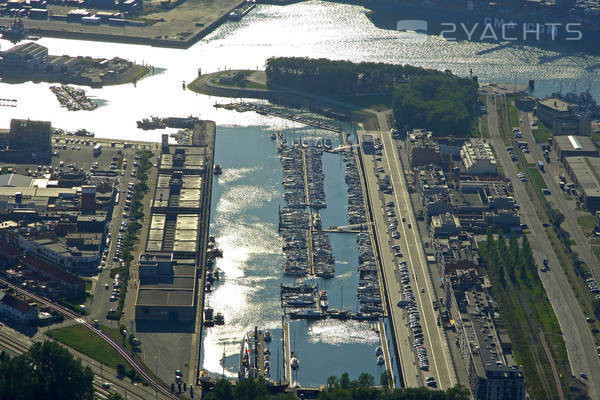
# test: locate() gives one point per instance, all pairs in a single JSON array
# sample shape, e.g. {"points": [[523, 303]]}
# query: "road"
{"points": [[567, 207], [412, 243], [578, 338], [69, 314], [17, 343], [101, 296], [441, 364], [411, 373]]}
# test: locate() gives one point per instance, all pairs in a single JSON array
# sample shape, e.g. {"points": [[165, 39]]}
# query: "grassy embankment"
{"points": [[542, 133], [85, 341], [528, 315], [537, 176]]}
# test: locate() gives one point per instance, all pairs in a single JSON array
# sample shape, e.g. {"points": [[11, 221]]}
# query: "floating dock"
{"points": [[8, 102], [266, 109]]}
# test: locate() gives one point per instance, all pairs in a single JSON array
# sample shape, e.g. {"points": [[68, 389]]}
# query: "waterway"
{"points": [[244, 222], [247, 195]]}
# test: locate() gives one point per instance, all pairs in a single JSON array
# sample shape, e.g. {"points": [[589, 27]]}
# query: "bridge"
{"points": [[355, 228]]}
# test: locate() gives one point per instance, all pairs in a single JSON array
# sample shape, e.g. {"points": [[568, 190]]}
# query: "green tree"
{"points": [[366, 380], [345, 381], [46, 371], [556, 217], [332, 381], [223, 391], [385, 380], [513, 257], [121, 370]]}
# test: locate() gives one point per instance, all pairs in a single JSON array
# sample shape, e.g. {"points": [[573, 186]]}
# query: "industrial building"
{"points": [[478, 158], [585, 173], [172, 265], [573, 146], [562, 117], [456, 252], [31, 56]]}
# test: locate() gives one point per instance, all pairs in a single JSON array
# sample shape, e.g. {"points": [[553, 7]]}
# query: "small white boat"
{"points": [[295, 364]]}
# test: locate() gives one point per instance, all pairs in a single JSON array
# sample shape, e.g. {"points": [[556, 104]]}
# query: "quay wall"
{"points": [[138, 39]]}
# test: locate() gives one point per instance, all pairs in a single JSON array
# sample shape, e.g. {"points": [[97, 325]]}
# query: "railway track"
{"points": [[69, 314]]}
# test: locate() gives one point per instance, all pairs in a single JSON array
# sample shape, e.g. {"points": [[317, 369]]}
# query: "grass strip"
{"points": [[86, 342]]}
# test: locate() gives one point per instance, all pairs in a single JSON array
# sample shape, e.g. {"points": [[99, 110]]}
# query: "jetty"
{"points": [[8, 102], [287, 367]]}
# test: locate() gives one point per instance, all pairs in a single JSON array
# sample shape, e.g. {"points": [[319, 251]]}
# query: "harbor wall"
{"points": [[133, 39]]}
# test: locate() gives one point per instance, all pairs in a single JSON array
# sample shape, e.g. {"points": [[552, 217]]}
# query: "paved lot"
{"points": [[410, 371], [440, 362], [176, 25], [578, 339]]}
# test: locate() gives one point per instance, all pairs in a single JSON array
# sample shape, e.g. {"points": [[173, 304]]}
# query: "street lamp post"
{"points": [[156, 373]]}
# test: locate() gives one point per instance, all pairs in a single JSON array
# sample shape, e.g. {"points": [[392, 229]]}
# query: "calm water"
{"points": [[247, 195], [244, 221]]}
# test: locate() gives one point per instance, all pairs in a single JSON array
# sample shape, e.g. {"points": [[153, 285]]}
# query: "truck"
{"points": [[541, 165], [97, 150]]}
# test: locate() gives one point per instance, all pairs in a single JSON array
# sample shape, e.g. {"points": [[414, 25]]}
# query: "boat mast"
{"points": [[223, 360]]}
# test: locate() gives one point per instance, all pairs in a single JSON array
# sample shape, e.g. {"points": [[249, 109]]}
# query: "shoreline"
{"points": [[293, 98], [172, 33], [133, 75]]}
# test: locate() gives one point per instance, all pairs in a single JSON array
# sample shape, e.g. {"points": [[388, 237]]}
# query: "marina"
{"points": [[308, 302], [72, 98], [239, 12], [168, 122], [282, 112], [254, 198], [8, 102]]}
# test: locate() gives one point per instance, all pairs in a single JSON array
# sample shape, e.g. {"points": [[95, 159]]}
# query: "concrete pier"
{"points": [[386, 350], [260, 355], [287, 368]]}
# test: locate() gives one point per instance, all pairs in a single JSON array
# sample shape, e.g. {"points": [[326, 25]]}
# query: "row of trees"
{"points": [[335, 78], [509, 260], [443, 104], [422, 98], [342, 388], [46, 372]]}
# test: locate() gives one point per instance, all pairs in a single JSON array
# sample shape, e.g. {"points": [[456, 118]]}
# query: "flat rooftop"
{"points": [[194, 159], [587, 173], [575, 143], [555, 104], [185, 228]]}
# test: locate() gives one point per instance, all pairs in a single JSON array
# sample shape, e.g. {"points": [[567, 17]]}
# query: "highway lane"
{"points": [[439, 351], [578, 339], [553, 170]]}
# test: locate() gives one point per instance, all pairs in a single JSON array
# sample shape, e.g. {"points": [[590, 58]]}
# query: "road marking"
{"points": [[420, 256]]}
